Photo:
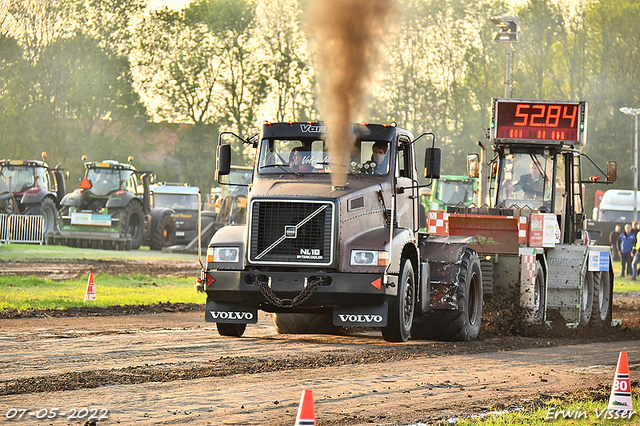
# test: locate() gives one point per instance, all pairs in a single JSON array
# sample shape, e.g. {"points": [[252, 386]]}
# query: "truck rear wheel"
{"points": [[602, 299], [401, 307], [163, 232], [131, 222], [231, 330], [305, 324], [46, 209], [462, 324]]}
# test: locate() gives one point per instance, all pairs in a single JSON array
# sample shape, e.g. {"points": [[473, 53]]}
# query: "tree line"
{"points": [[109, 78]]}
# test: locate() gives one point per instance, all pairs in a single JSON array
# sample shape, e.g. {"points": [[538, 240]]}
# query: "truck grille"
{"points": [[291, 232]]}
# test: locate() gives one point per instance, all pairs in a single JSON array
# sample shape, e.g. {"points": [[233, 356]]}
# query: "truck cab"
{"points": [[316, 253]]}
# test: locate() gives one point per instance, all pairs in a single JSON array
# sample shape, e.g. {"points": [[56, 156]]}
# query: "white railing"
{"points": [[21, 229]]}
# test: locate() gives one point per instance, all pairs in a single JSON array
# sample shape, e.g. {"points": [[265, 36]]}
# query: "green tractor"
{"points": [[447, 191], [111, 210], [31, 187], [451, 190]]}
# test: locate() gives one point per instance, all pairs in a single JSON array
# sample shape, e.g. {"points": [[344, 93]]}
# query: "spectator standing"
{"points": [[634, 228], [626, 244], [614, 236], [636, 260]]}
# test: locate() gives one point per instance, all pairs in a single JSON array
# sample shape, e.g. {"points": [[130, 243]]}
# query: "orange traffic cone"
{"points": [[90, 294], [306, 413], [620, 399]]}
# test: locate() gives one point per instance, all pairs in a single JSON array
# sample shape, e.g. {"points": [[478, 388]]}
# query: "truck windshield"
{"points": [[525, 180], [176, 201], [103, 180], [616, 216], [17, 178], [302, 156]]}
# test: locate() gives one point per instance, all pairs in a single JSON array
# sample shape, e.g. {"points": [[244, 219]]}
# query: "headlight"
{"points": [[369, 258], [223, 254]]}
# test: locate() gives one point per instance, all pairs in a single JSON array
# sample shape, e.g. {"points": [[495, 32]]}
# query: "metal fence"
{"points": [[21, 229]]}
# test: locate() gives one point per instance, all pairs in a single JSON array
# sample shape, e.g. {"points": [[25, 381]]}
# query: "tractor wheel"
{"points": [[586, 306], [163, 231], [402, 307], [231, 330], [602, 299], [539, 295], [131, 222], [306, 324], [462, 324], [46, 209]]}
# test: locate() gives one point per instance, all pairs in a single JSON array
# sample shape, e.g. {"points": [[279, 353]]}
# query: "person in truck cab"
{"points": [[379, 156], [300, 159]]}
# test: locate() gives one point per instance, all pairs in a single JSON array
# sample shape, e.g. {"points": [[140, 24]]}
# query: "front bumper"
{"points": [[338, 290], [185, 236]]}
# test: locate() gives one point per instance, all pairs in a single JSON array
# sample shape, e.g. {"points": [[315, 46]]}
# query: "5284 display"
{"points": [[539, 120]]}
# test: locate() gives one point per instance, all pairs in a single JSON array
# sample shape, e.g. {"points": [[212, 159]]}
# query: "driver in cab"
{"points": [[300, 160], [531, 184]]}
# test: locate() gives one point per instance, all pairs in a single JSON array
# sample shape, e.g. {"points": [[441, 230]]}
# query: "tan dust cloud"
{"points": [[346, 37]]}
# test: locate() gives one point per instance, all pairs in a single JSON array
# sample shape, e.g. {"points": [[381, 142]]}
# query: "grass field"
{"points": [[26, 252], [40, 293], [23, 293], [577, 409]]}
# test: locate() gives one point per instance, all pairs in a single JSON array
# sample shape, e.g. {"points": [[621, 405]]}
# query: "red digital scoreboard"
{"points": [[539, 121]]}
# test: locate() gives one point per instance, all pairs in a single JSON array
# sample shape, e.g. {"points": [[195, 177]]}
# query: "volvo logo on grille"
{"points": [[290, 231]]}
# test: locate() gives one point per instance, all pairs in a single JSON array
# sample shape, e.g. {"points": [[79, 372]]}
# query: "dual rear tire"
{"points": [[463, 323]]}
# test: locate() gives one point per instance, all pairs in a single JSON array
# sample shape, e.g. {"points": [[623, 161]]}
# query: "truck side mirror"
{"points": [[473, 165], [223, 161], [432, 159], [612, 171]]}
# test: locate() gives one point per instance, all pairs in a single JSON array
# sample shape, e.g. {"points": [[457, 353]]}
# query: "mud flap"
{"points": [[361, 316], [230, 313]]}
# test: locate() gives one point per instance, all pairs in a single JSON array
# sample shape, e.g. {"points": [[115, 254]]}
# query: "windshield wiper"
{"points": [[284, 167]]}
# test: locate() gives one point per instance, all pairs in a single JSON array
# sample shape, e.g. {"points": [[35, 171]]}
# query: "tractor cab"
{"points": [[103, 179]]}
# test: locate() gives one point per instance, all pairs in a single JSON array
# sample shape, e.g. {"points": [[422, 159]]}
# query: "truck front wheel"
{"points": [[401, 307], [163, 230], [231, 330]]}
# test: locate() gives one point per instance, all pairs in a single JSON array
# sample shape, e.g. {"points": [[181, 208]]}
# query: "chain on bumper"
{"points": [[302, 297]]}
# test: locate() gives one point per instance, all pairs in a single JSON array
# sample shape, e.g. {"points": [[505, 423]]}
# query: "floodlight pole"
{"points": [[634, 112], [507, 83], [509, 32]]}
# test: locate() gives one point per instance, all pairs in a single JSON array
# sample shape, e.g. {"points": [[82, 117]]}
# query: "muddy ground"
{"points": [[163, 364]]}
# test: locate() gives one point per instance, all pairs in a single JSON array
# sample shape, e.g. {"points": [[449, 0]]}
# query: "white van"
{"points": [[616, 205]]}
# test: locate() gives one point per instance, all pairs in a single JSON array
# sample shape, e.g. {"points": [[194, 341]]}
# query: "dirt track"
{"points": [[173, 368]]}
